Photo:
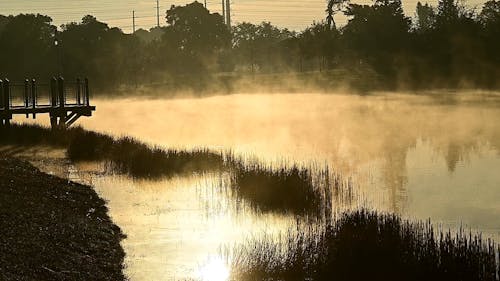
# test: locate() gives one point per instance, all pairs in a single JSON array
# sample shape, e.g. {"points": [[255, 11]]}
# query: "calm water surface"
{"points": [[432, 155]]}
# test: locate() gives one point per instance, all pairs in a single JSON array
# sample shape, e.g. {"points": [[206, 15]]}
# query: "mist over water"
{"points": [[388, 141], [428, 155], [391, 135]]}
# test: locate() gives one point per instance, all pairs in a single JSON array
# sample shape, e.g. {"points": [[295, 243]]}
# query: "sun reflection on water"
{"points": [[215, 269]]}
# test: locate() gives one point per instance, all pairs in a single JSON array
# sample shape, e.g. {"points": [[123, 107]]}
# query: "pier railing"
{"points": [[32, 94], [64, 101]]}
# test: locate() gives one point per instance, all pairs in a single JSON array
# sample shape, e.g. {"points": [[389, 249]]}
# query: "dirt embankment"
{"points": [[52, 229]]}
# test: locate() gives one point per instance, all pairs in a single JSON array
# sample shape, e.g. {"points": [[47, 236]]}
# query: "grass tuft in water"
{"points": [[294, 189]]}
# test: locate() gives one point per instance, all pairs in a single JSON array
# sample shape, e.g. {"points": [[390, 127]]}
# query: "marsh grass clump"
{"points": [[86, 145], [366, 245], [130, 156], [123, 155], [135, 158], [294, 189], [27, 135]]}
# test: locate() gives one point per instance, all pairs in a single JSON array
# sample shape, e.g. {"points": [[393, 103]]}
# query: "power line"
{"points": [[112, 19], [278, 12]]}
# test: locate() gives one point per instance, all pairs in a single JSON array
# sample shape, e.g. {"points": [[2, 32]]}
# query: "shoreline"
{"points": [[54, 229]]}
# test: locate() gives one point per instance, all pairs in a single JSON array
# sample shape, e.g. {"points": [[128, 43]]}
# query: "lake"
{"points": [[427, 155]]}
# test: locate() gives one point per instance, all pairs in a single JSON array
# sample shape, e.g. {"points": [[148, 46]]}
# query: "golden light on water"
{"points": [[215, 269], [449, 146]]}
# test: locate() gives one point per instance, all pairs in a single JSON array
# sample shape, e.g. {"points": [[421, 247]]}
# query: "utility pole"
{"points": [[158, 13], [205, 4], [133, 21], [228, 13], [223, 11]]}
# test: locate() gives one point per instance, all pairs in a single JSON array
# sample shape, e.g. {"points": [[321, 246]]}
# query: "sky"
{"points": [[292, 14]]}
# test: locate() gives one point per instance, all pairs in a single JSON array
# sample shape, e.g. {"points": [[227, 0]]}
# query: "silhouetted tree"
{"points": [[3, 22], [448, 13], [26, 46], [194, 37], [197, 29], [154, 34], [333, 7], [259, 46], [244, 37], [91, 48], [490, 20], [426, 17], [456, 47], [448, 45], [490, 15], [378, 33], [320, 43]]}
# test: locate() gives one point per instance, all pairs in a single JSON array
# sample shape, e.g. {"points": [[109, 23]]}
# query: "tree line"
{"points": [[448, 45]]}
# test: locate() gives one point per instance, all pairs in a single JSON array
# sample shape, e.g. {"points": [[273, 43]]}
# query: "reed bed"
{"points": [[287, 189], [127, 155], [366, 245], [123, 155]]}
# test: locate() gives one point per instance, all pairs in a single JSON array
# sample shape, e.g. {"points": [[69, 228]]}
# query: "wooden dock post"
{"points": [[78, 91], [6, 102], [6, 94], [27, 95], [60, 91], [62, 101], [53, 91], [87, 92], [53, 101], [33, 96]]}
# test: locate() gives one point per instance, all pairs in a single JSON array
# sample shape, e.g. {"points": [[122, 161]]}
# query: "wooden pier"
{"points": [[65, 102]]}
